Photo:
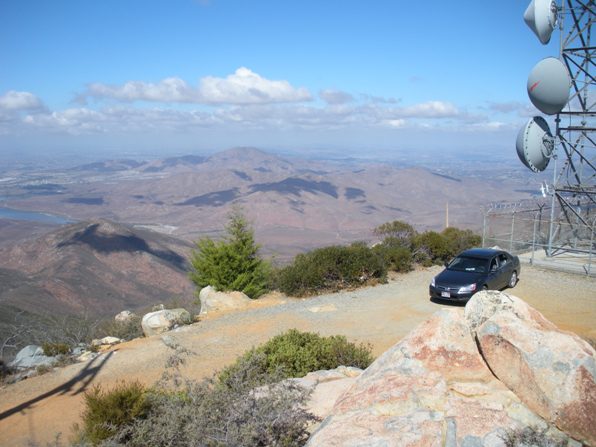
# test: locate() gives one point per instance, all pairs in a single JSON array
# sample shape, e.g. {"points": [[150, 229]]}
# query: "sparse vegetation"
{"points": [[251, 407], [295, 354], [205, 413], [248, 403], [43, 369], [128, 329], [109, 412], [531, 436], [5, 371], [54, 349], [330, 269], [233, 263]]}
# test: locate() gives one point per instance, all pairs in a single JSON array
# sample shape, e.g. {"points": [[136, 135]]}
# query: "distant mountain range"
{"points": [[295, 204]]}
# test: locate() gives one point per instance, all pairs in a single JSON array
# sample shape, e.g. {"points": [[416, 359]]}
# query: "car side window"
{"points": [[493, 265], [502, 259]]}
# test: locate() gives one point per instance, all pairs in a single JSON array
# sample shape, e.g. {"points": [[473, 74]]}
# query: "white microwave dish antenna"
{"points": [[541, 17], [548, 85], [535, 144]]}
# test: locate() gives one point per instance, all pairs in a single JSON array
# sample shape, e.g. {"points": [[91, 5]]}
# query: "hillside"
{"points": [[96, 267], [38, 408], [295, 204]]}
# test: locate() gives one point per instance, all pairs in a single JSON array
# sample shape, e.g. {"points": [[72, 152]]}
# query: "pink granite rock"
{"points": [[551, 371], [431, 389]]}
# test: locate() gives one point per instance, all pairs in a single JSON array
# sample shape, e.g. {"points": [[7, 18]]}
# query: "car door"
{"points": [[505, 269], [493, 278]]}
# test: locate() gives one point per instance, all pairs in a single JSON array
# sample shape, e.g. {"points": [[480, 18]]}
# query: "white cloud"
{"points": [[431, 109], [13, 100], [488, 126], [247, 87], [242, 87], [79, 121], [247, 113], [520, 108], [331, 96], [167, 90], [395, 123]]}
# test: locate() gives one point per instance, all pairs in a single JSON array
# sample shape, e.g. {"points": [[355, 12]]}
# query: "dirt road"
{"points": [[38, 408]]}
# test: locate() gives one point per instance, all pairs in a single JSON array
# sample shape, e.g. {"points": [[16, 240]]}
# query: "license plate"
{"points": [[445, 294]]}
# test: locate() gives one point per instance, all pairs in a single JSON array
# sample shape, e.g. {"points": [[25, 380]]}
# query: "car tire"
{"points": [[512, 280], [484, 287]]}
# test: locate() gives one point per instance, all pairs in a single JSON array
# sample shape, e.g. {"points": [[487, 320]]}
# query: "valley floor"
{"points": [[38, 408]]}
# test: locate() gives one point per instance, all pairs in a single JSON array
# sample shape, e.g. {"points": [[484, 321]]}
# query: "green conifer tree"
{"points": [[233, 263]]}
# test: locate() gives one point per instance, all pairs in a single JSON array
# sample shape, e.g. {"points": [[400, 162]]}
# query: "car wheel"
{"points": [[513, 279], [485, 287]]}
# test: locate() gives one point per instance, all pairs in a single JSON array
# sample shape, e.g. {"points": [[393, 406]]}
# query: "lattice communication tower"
{"points": [[563, 88]]}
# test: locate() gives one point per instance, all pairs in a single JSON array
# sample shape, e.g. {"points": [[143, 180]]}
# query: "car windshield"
{"points": [[466, 264]]}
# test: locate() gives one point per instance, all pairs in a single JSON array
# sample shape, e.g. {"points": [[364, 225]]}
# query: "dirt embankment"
{"points": [[38, 408]]}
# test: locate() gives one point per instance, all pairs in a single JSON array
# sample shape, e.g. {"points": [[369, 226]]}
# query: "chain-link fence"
{"points": [[526, 233]]}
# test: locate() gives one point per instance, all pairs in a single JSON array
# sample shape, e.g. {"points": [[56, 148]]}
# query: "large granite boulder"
{"points": [[31, 356], [161, 321], [431, 389], [212, 300], [551, 371]]}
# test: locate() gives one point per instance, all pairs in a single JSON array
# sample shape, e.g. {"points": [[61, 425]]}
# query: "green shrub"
{"points": [[231, 264], [295, 354], [396, 256], [426, 248], [107, 412], [401, 232], [208, 414], [431, 248], [331, 268], [459, 240], [54, 349]]}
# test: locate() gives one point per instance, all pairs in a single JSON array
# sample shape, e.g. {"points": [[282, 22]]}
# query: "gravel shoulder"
{"points": [[38, 408]]}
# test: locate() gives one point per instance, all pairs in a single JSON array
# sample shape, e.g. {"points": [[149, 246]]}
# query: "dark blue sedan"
{"points": [[474, 270]]}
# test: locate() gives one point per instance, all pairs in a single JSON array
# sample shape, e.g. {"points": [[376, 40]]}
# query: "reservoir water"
{"points": [[32, 216]]}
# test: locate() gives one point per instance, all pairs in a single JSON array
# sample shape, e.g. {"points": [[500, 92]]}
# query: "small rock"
{"points": [[109, 341], [161, 321], [323, 308], [125, 315], [86, 356]]}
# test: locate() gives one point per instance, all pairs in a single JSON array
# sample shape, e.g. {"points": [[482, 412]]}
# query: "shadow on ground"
{"points": [[83, 378]]}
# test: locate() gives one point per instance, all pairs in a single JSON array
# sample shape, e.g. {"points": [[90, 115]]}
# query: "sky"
{"points": [[347, 77]]}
